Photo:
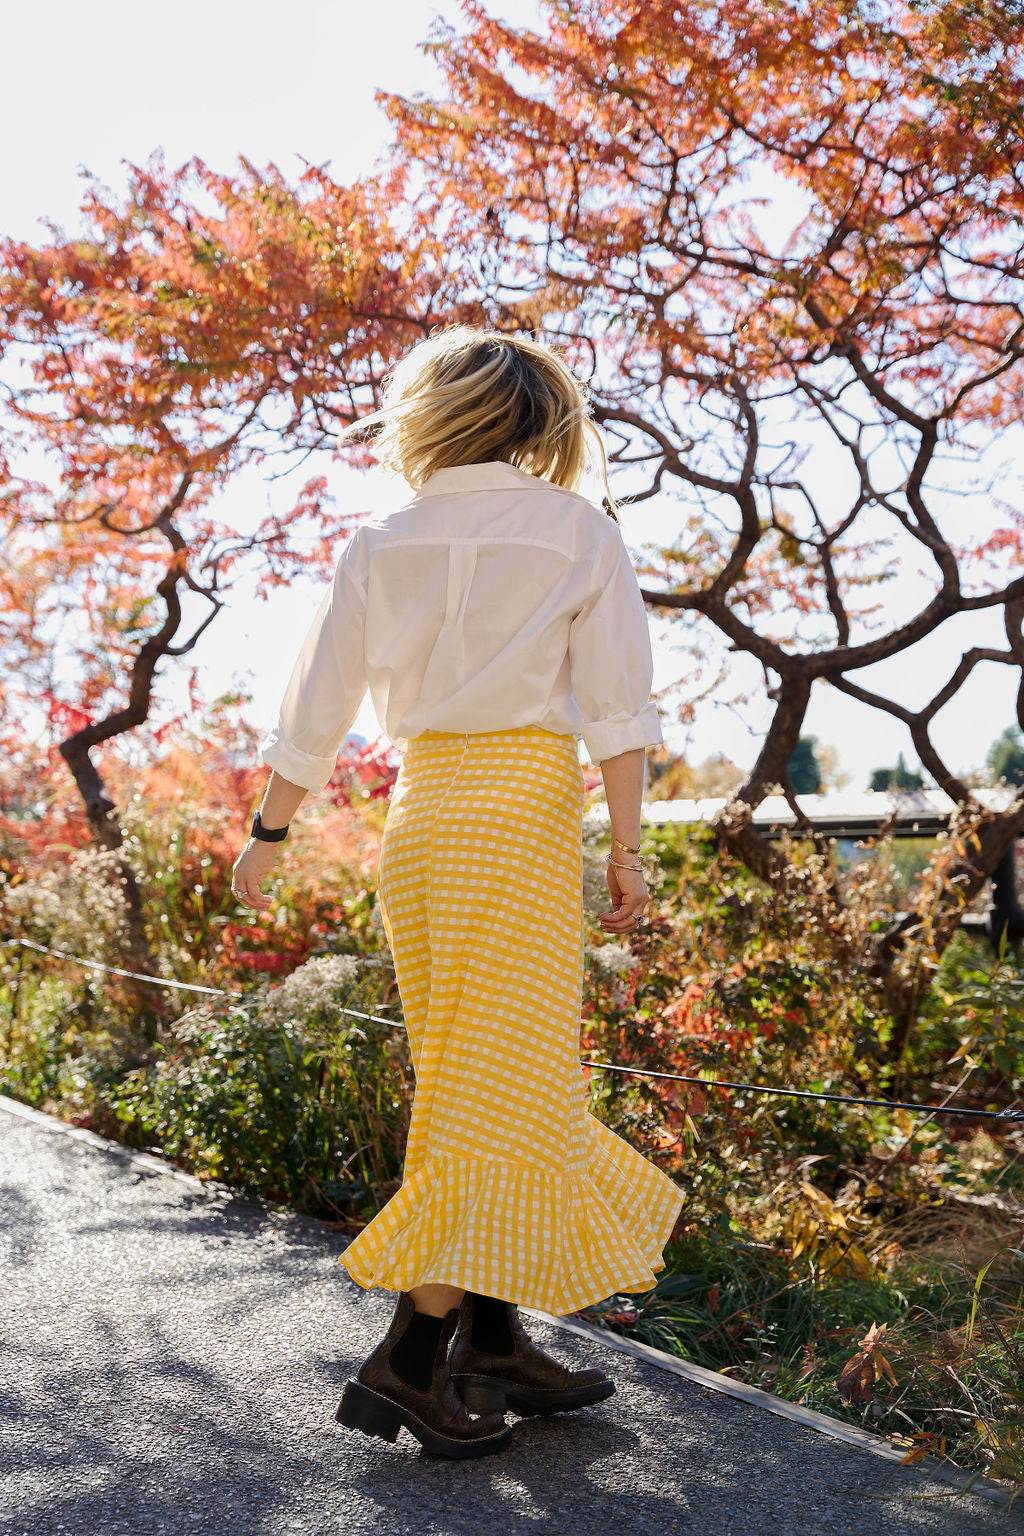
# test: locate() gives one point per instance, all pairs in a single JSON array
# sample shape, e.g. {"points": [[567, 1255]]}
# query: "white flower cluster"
{"points": [[79, 905], [322, 983], [610, 959]]}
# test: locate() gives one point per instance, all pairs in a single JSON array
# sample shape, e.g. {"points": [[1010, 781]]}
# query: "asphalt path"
{"points": [[173, 1359]]}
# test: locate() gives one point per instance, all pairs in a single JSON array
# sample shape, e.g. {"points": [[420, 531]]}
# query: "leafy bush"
{"points": [[283, 1095], [68, 1033]]}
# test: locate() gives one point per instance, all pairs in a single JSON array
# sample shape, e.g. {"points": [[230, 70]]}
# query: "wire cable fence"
{"points": [[1009, 1114]]}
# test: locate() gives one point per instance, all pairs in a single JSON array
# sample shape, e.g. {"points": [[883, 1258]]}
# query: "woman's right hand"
{"points": [[254, 865], [628, 890]]}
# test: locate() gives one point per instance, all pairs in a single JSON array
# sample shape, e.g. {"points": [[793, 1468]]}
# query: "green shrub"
{"points": [[283, 1095]]}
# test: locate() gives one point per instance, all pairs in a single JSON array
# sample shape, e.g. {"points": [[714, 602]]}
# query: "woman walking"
{"points": [[495, 619]]}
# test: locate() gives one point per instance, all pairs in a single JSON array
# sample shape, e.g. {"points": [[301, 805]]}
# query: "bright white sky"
{"points": [[277, 82]]}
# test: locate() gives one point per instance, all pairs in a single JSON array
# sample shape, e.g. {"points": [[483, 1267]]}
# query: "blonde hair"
{"points": [[469, 396]]}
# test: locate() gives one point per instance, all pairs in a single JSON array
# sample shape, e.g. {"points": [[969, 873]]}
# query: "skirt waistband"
{"points": [[532, 734]]}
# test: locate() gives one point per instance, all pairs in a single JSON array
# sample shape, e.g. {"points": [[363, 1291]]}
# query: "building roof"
{"points": [[904, 813]]}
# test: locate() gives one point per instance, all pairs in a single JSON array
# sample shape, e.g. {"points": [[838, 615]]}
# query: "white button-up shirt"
{"points": [[492, 599]]}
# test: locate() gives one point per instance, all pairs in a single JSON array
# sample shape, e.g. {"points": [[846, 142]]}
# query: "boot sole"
{"points": [[363, 1409], [487, 1394]]}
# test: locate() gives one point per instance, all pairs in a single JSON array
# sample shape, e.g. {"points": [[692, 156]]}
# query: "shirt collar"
{"points": [[495, 475]]}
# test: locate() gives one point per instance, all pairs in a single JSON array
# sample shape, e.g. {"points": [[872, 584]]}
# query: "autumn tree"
{"points": [[784, 243], [196, 325]]}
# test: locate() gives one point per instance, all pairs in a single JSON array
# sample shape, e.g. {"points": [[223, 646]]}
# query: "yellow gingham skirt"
{"points": [[511, 1187]]}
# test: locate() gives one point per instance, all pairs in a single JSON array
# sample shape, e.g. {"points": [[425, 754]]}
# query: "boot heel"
{"points": [[480, 1394], [364, 1410]]}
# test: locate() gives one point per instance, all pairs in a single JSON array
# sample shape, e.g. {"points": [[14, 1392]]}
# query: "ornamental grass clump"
{"points": [[925, 1347]]}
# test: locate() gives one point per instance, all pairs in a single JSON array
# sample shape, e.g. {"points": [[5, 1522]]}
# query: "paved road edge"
{"points": [[958, 1480]]}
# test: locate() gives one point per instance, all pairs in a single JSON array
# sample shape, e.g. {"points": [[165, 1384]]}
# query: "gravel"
{"points": [[174, 1358]]}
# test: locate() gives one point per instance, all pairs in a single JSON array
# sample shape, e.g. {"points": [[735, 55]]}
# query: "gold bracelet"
{"points": [[636, 868], [625, 848]]}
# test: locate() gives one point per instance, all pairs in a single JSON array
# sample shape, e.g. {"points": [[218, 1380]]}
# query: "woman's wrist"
{"points": [[636, 867], [623, 845], [261, 833], [281, 801], [625, 840]]}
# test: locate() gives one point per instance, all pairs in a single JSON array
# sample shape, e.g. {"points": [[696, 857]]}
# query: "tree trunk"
{"points": [[979, 844], [979, 849], [107, 832], [99, 808]]}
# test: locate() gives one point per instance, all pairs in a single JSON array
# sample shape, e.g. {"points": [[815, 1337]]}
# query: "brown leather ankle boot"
{"points": [[380, 1401], [526, 1379]]}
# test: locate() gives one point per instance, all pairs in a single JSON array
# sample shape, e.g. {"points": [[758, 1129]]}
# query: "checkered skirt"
{"points": [[511, 1187]]}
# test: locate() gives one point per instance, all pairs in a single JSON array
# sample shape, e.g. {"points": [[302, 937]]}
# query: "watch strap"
{"points": [[264, 834]]}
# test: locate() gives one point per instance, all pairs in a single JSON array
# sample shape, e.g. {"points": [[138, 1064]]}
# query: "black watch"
{"points": [[263, 834]]}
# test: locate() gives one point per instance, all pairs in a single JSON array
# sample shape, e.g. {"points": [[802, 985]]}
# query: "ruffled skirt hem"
{"points": [[534, 1236]]}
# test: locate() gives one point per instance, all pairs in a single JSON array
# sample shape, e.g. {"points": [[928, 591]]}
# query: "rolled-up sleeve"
{"points": [[610, 661], [328, 682]]}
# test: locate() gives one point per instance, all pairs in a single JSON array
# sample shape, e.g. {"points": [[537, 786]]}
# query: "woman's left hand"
{"points": [[252, 867]]}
